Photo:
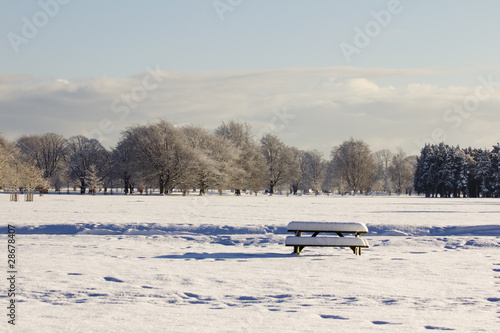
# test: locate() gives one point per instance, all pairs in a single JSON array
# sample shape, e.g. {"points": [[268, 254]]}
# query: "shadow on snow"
{"points": [[227, 255]]}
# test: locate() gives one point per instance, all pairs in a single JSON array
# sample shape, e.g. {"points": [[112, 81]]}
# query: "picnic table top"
{"points": [[351, 227]]}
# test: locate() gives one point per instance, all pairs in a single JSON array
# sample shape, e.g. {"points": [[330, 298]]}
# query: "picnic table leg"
{"points": [[296, 248], [356, 250]]}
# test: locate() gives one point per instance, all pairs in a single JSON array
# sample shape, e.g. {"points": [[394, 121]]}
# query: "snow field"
{"points": [[184, 264]]}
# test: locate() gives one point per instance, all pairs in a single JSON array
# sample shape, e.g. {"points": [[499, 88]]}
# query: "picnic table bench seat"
{"points": [[299, 242]]}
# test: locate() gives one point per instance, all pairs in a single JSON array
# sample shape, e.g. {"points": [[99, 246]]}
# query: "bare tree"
{"points": [[81, 154], [334, 179], [382, 179], [315, 170], [297, 178], [354, 162], [45, 151], [124, 165], [279, 160], [402, 171]]}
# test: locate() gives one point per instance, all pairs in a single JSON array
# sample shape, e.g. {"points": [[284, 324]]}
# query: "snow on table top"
{"points": [[327, 227]]}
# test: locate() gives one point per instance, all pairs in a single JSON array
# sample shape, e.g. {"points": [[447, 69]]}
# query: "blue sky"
{"points": [[280, 55]]}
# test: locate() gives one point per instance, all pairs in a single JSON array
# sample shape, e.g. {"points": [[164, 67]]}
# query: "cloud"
{"points": [[308, 108]]}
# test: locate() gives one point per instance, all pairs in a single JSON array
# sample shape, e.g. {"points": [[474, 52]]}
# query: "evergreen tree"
{"points": [[495, 164]]}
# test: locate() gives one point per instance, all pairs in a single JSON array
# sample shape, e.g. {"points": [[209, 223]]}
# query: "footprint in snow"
{"points": [[112, 279], [280, 296], [348, 300], [389, 301], [381, 322], [428, 327], [247, 299], [192, 295], [333, 317]]}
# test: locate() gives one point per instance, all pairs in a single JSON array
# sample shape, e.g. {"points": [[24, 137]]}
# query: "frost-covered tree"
{"points": [[81, 154], [437, 171], [279, 160], [15, 177], [250, 169], [93, 179], [464, 169], [484, 173], [495, 165], [215, 159], [445, 171], [162, 152], [32, 178], [473, 183], [354, 163], [425, 172], [11, 168], [7, 150]]}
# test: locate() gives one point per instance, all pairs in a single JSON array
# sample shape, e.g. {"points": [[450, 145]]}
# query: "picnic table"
{"points": [[338, 228]]}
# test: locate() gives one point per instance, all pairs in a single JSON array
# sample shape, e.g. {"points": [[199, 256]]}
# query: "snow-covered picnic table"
{"points": [[355, 243]]}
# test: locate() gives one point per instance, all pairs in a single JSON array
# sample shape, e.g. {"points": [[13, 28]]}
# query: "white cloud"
{"points": [[324, 105]]}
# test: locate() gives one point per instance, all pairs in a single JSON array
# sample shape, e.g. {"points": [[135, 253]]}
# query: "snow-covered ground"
{"points": [[137, 263]]}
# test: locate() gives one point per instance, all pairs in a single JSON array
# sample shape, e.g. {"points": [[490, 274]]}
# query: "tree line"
{"points": [[448, 171], [163, 157]]}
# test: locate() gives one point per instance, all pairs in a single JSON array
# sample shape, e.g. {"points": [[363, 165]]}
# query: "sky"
{"points": [[315, 73]]}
